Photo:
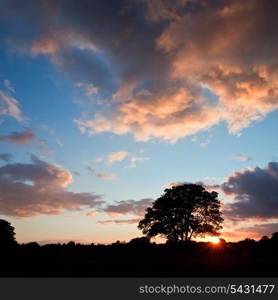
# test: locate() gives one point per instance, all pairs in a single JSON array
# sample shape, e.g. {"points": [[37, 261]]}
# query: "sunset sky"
{"points": [[104, 104]]}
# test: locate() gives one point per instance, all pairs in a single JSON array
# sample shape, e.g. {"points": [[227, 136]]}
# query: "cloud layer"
{"points": [[129, 207], [6, 157], [165, 70], [37, 188], [255, 193]]}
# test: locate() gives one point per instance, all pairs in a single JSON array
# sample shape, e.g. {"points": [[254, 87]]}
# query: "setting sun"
{"points": [[215, 240]]}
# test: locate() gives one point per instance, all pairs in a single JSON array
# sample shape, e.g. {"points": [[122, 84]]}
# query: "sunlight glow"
{"points": [[215, 240]]}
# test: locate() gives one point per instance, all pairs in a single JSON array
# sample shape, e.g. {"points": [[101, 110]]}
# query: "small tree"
{"points": [[182, 212], [7, 234]]}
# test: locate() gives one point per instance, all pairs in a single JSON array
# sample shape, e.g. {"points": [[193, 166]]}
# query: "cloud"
{"points": [[59, 143], [173, 184], [47, 129], [8, 86], [25, 137], [162, 114], [90, 89], [106, 176], [224, 54], [204, 144], [91, 213], [135, 159], [76, 56], [241, 157], [260, 230], [254, 232], [30, 189], [120, 222], [43, 148], [113, 157], [210, 55], [200, 62], [9, 106], [19, 138], [5, 157], [129, 207], [117, 156], [254, 191], [99, 159]]}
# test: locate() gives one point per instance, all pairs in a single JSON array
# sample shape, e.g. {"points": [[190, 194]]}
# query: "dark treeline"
{"points": [[182, 213], [141, 258]]}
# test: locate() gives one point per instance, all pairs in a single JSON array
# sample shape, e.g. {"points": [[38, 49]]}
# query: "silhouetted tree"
{"points": [[182, 212], [140, 241], [274, 236], [71, 244], [7, 234], [222, 241], [264, 238]]}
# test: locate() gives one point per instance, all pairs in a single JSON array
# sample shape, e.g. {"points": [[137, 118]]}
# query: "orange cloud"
{"points": [[186, 48], [161, 114], [221, 47]]}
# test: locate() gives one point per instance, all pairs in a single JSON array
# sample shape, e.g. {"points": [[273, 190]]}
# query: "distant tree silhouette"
{"points": [[140, 241], [274, 236], [71, 244], [264, 238], [7, 234], [222, 241], [182, 212]]}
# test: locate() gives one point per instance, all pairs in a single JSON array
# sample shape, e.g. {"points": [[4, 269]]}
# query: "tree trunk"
{"points": [[191, 235], [187, 225]]}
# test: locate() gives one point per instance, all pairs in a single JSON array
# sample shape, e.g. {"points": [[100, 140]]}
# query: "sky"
{"points": [[104, 104]]}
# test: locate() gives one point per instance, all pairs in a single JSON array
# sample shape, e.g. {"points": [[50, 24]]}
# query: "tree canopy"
{"points": [[182, 212]]}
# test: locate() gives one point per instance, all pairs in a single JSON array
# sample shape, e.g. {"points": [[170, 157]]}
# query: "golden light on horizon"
{"points": [[214, 240]]}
